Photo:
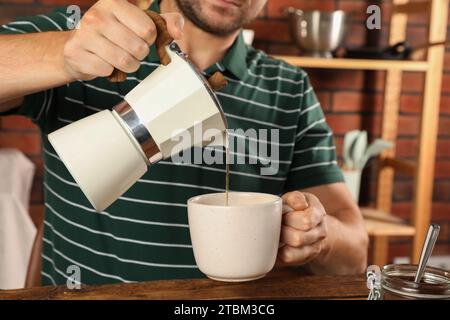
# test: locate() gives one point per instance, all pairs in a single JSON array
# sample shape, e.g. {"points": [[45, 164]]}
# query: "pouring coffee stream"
{"points": [[227, 172], [140, 130]]}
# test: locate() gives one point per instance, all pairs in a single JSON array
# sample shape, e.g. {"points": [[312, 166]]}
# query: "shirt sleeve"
{"points": [[314, 157], [39, 106]]}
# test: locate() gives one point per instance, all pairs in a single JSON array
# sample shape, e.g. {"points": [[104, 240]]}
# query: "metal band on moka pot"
{"points": [[136, 128]]}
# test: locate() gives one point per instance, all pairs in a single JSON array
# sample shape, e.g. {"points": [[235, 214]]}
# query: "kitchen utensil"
{"points": [[359, 149], [349, 140], [378, 146], [107, 152], [318, 33], [427, 249], [399, 51], [352, 178]]}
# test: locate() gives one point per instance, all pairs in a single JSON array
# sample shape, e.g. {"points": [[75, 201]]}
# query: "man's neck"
{"points": [[204, 49]]}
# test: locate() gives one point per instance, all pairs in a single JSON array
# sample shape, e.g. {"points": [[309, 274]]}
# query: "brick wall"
{"points": [[351, 100]]}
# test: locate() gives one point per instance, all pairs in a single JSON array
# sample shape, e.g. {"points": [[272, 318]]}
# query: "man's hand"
{"points": [[303, 230], [113, 34]]}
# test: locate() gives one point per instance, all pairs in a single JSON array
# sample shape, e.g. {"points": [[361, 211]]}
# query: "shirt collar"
{"points": [[233, 63]]}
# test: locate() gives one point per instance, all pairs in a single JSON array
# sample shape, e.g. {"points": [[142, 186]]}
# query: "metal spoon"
{"points": [[427, 249]]}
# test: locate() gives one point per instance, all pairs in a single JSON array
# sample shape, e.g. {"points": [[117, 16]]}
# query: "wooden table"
{"points": [[284, 283]]}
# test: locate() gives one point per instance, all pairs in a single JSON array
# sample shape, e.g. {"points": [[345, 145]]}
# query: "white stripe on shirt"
{"points": [[290, 95], [114, 217], [51, 21], [57, 270], [314, 106], [83, 104], [274, 78], [25, 23], [319, 164], [260, 122], [13, 29], [259, 104], [83, 265], [314, 148], [312, 125], [110, 235]]}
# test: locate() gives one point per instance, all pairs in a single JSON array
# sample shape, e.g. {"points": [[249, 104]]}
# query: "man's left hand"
{"points": [[303, 230]]}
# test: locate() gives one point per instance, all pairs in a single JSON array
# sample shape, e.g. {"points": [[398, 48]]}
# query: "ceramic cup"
{"points": [[238, 242]]}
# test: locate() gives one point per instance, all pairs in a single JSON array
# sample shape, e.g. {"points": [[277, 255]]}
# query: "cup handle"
{"points": [[285, 209], [163, 39]]}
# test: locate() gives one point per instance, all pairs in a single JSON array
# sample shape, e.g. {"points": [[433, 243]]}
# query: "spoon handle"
{"points": [[427, 249]]}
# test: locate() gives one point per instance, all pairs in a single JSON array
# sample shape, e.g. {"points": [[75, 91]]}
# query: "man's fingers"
{"points": [[290, 255], [93, 66], [175, 24], [295, 238], [112, 54], [127, 39], [303, 220], [313, 201], [296, 200], [136, 20]]}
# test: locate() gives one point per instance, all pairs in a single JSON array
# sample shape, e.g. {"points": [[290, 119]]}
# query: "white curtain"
{"points": [[17, 231]]}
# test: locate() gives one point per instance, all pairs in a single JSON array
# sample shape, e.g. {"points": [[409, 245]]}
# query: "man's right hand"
{"points": [[113, 34]]}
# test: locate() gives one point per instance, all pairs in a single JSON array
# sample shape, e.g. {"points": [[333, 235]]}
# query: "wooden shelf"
{"points": [[355, 64], [379, 223], [388, 229], [400, 166], [375, 214]]}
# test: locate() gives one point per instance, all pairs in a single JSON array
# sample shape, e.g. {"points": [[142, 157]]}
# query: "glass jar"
{"points": [[396, 282]]}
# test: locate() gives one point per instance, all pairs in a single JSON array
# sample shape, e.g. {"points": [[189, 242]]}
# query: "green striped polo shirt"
{"points": [[144, 235]]}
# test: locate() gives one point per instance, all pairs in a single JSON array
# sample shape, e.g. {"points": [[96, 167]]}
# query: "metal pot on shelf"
{"points": [[317, 33]]}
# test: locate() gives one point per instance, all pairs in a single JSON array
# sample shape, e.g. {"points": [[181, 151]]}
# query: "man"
{"points": [[56, 76]]}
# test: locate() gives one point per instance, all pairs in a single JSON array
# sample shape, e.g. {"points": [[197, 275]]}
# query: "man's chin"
{"points": [[221, 22], [214, 19], [221, 29], [216, 12]]}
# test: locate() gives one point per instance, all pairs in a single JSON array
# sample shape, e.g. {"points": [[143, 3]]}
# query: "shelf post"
{"points": [[429, 126], [392, 91]]}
